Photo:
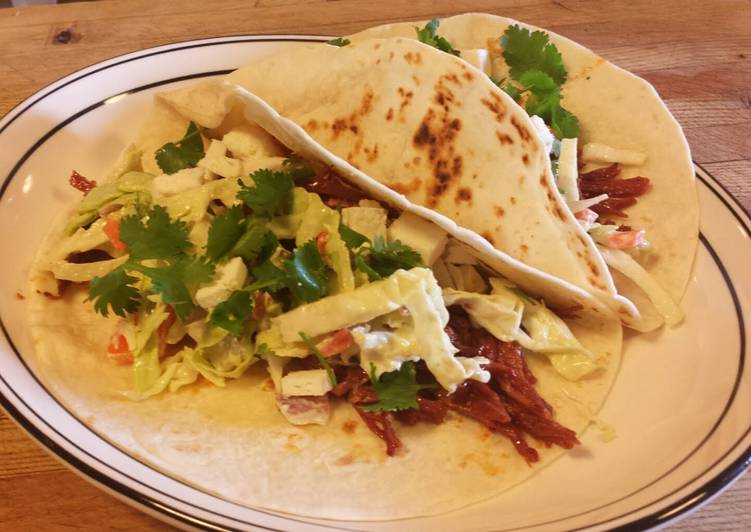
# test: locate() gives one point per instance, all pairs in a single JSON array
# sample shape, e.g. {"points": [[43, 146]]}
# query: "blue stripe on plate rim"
{"points": [[660, 517]]}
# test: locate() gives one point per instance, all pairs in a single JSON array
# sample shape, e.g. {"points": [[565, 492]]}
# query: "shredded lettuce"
{"points": [[318, 218], [146, 368], [663, 303]]}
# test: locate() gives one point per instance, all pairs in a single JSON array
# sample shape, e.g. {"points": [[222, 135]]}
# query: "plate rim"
{"points": [[143, 501]]}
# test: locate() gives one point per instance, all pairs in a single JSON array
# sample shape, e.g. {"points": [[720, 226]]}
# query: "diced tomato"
{"points": [[625, 239], [587, 215], [118, 350], [112, 230], [79, 182], [341, 341], [118, 344], [321, 241]]}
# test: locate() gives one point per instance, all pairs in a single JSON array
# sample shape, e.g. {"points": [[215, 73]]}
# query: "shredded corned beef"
{"points": [[622, 193], [330, 187], [508, 405]]}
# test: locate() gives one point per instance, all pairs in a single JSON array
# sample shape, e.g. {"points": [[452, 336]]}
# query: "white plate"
{"points": [[681, 404]]}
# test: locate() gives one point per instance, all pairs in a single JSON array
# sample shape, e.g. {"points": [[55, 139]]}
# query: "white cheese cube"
{"points": [[216, 161], [478, 58], [232, 274], [423, 236], [171, 184], [228, 277], [542, 130], [568, 171], [210, 296], [308, 382], [368, 221], [593, 152], [251, 141]]}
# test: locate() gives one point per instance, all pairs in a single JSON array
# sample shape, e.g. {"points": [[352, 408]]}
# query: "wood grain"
{"points": [[696, 53]]}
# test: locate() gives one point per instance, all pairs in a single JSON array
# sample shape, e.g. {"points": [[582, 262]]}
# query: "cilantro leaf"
{"points": [[226, 229], [306, 273], [548, 107], [538, 82], [257, 245], [514, 92], [397, 390], [363, 266], [159, 238], [268, 277], [352, 239], [386, 258], [271, 195], [231, 314], [114, 291], [429, 36], [537, 66], [524, 50], [339, 41], [322, 359], [185, 153], [172, 281]]}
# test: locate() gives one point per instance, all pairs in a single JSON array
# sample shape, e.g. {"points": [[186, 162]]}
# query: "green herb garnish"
{"points": [[397, 390], [429, 36], [322, 359], [185, 153]]}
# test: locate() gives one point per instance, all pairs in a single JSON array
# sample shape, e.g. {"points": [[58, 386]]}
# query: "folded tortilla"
{"points": [[234, 443], [436, 129]]}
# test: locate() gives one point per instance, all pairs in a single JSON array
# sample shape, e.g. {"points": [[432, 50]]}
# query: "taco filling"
{"points": [[341, 296]]}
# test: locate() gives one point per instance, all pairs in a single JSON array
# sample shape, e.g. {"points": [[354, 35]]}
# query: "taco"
{"points": [[263, 320], [430, 112]]}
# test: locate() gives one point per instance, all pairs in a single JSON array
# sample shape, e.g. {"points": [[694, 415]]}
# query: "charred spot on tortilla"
{"points": [[499, 212], [524, 133], [312, 125], [468, 75], [390, 113], [376, 46], [487, 236], [349, 426], [415, 79], [503, 138], [512, 199], [371, 154], [411, 58], [410, 188], [497, 108], [406, 98], [464, 194]]}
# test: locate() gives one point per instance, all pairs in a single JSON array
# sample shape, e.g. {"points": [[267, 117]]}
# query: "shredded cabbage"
{"points": [[664, 304]]}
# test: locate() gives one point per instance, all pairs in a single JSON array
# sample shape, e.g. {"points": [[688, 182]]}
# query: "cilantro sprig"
{"points": [[397, 390], [339, 41], [185, 153], [537, 68], [158, 238], [271, 195], [378, 258], [234, 312], [429, 35]]}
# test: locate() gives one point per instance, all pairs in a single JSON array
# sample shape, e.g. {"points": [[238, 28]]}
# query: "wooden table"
{"points": [[697, 54]]}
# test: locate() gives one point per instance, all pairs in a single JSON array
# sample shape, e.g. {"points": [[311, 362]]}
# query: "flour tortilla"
{"points": [[619, 109], [234, 443], [434, 128]]}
